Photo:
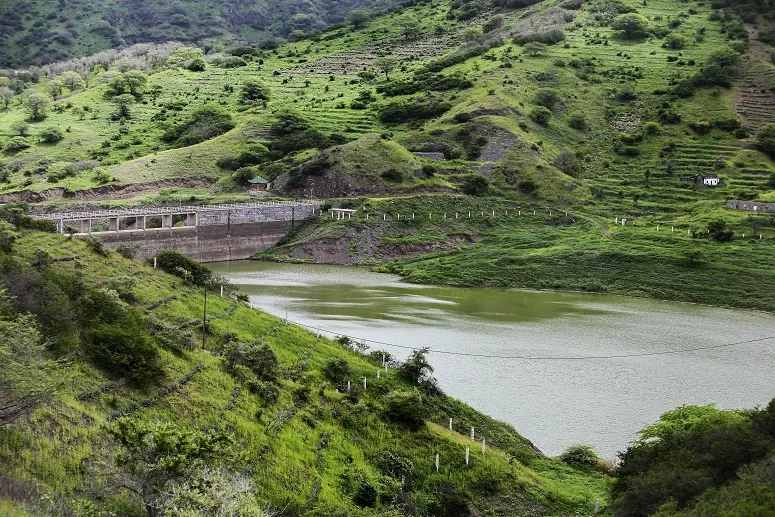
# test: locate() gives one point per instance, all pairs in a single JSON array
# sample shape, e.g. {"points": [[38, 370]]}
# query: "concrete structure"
{"points": [[342, 213], [705, 179], [753, 206], [258, 186], [203, 233]]}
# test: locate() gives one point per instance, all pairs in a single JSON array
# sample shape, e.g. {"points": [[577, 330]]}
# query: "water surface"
{"points": [[554, 403]]}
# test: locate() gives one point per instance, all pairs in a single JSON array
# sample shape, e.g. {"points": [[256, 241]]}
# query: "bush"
{"points": [[52, 135], [568, 162], [397, 112], [541, 115], [474, 185], [288, 122], [260, 360], [405, 409], [393, 175], [181, 266], [765, 139], [577, 121], [337, 371], [16, 144], [580, 457], [205, 123], [652, 128], [547, 97], [254, 91]]}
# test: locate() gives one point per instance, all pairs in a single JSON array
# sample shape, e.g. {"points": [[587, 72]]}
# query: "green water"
{"points": [[559, 399]]}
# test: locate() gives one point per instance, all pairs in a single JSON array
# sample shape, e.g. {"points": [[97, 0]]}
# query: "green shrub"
{"points": [[405, 409], [337, 371], [16, 144], [474, 185], [652, 128], [393, 175], [541, 115], [179, 265], [547, 97], [52, 135], [205, 123], [397, 112], [260, 360], [577, 121], [765, 139], [581, 457]]}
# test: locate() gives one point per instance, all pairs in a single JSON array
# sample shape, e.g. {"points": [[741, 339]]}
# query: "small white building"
{"points": [[709, 180]]}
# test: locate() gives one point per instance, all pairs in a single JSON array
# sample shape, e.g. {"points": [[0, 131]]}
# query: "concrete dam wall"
{"points": [[205, 234]]}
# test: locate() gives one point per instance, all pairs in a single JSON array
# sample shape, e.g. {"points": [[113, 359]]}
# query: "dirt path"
{"points": [[754, 102]]}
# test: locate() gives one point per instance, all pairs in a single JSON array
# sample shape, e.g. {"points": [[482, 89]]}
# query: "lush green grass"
{"points": [[63, 447]]}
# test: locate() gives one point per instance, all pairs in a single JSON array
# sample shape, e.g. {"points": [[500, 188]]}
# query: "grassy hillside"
{"points": [[290, 439], [553, 106], [38, 33]]}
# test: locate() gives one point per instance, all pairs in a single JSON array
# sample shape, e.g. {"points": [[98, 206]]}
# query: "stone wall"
{"points": [[753, 206], [204, 243], [254, 215]]}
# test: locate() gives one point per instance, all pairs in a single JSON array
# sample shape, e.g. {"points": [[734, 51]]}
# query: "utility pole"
{"points": [[204, 320]]}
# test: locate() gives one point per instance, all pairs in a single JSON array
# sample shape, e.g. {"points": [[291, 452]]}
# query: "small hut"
{"points": [[258, 186]]}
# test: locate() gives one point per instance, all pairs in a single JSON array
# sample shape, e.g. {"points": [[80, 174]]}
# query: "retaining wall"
{"points": [[205, 243], [753, 206]]}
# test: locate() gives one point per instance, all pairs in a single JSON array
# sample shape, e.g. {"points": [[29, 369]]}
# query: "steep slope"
{"points": [[278, 418], [38, 33]]}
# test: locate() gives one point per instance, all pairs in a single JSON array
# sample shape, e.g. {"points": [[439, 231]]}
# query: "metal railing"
{"points": [[179, 210]]}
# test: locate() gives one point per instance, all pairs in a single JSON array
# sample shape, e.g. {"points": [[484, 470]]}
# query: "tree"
{"points": [[718, 231], [534, 48], [632, 25], [116, 84], [386, 65], [254, 92], [765, 139], [157, 456], [135, 80], [494, 23], [567, 162], [472, 34], [6, 95], [37, 106], [547, 97], [123, 103], [289, 121], [72, 80], [691, 256], [358, 18], [410, 26]]}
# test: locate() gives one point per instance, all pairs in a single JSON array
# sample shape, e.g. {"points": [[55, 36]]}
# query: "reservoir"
{"points": [[539, 381]]}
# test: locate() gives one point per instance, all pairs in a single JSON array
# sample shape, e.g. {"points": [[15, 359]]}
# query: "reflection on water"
{"points": [[555, 403]]}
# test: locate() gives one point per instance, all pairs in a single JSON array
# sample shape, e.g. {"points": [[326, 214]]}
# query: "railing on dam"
{"points": [[132, 219]]}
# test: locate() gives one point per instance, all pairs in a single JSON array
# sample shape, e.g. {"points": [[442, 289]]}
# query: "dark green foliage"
{"points": [[393, 175], [718, 231], [718, 71], [197, 65], [474, 185], [426, 81], [205, 123], [337, 371], [254, 92], [547, 97], [406, 409], [52, 135], [16, 144], [631, 25], [541, 115], [688, 451], [765, 139], [568, 162], [260, 360], [397, 112], [181, 266], [577, 121], [289, 122], [581, 457]]}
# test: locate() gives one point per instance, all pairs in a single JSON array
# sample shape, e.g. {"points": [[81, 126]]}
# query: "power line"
{"points": [[541, 358]]}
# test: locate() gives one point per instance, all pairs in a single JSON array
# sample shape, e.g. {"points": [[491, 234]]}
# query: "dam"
{"points": [[210, 233]]}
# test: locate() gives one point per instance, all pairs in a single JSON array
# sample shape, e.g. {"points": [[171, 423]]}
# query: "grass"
{"points": [[63, 447]]}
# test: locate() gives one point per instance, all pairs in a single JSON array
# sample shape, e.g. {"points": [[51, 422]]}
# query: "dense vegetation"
{"points": [[36, 33]]}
